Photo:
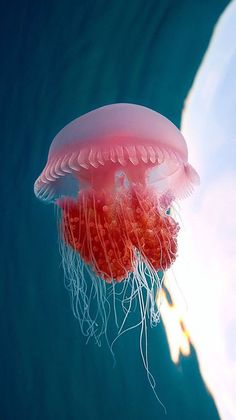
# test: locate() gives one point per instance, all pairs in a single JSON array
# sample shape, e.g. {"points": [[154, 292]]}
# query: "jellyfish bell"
{"points": [[114, 137], [113, 173]]}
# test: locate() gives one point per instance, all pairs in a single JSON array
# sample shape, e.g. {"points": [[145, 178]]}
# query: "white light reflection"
{"points": [[206, 267]]}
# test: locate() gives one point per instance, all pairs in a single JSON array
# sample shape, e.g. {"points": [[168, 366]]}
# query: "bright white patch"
{"points": [[206, 267]]}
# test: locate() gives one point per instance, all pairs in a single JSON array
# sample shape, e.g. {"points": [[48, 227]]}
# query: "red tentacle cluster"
{"points": [[108, 229]]}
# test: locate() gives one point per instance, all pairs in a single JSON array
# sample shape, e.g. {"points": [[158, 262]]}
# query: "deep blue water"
{"points": [[60, 59]]}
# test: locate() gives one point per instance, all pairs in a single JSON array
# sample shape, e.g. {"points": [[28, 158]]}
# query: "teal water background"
{"points": [[60, 59]]}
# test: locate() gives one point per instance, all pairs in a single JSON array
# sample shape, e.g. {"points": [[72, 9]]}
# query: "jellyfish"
{"points": [[113, 175]]}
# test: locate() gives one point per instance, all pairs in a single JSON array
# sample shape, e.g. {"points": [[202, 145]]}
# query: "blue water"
{"points": [[60, 59]]}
